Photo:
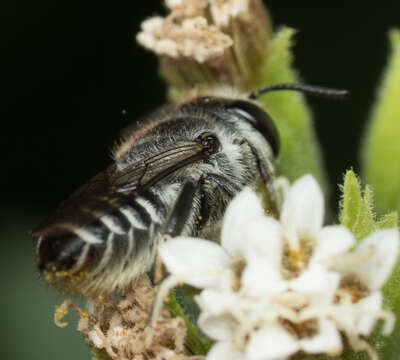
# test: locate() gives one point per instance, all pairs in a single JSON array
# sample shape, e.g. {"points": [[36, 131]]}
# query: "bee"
{"points": [[174, 173]]}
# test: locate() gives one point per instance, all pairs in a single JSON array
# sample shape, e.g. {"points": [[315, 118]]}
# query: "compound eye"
{"points": [[259, 119], [210, 143]]}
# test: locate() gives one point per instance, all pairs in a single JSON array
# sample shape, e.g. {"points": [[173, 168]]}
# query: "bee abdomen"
{"points": [[113, 240]]}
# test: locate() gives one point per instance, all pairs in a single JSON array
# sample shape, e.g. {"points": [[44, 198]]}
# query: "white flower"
{"points": [[274, 288]]}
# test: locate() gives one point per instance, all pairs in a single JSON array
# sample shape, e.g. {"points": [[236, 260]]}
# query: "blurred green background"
{"points": [[68, 70]]}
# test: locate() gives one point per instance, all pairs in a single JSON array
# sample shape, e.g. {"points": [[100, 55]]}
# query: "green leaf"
{"points": [[300, 151], [356, 208], [196, 342], [350, 204], [381, 149], [366, 218], [388, 221]]}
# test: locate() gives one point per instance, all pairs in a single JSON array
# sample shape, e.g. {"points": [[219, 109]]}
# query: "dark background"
{"points": [[69, 68]]}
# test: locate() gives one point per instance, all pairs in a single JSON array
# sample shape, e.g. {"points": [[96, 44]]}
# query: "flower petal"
{"points": [[370, 307], [215, 302], [261, 277], [224, 351], [262, 238], [381, 251], [327, 340], [244, 207], [217, 327], [316, 280], [271, 342], [303, 209], [332, 240], [197, 262]]}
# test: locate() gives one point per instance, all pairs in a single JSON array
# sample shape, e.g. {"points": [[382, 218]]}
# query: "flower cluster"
{"points": [[275, 288], [122, 330]]}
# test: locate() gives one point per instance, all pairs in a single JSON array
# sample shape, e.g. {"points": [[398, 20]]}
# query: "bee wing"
{"points": [[112, 188], [145, 173]]}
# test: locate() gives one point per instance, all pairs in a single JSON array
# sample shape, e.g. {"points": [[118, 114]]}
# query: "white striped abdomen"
{"points": [[107, 253]]}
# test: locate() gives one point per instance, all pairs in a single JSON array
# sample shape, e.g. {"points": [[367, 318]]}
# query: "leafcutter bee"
{"points": [[173, 173]]}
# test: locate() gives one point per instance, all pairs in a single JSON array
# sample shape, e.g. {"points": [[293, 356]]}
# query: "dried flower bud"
{"points": [[187, 7], [193, 38], [222, 11], [123, 330], [204, 42]]}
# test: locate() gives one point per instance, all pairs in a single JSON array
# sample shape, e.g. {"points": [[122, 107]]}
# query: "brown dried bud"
{"points": [[208, 42]]}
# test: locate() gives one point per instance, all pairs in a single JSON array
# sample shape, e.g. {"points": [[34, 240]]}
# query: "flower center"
{"points": [[237, 266], [294, 261], [350, 290], [307, 328]]}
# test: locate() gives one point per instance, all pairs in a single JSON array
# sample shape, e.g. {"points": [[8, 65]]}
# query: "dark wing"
{"points": [[145, 173], [110, 189]]}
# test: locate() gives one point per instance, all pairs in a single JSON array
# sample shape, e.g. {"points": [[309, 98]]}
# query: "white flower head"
{"points": [[273, 288]]}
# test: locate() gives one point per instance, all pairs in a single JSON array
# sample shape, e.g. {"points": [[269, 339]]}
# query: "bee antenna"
{"points": [[307, 89]]}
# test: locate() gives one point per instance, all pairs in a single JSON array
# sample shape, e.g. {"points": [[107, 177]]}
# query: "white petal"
{"points": [[316, 281], [380, 250], [271, 342], [244, 207], [371, 309], [332, 240], [224, 351], [217, 327], [261, 277], [327, 340], [303, 209], [263, 239], [197, 262], [214, 302]]}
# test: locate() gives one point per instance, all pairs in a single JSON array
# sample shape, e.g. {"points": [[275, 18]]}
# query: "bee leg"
{"points": [[174, 226], [267, 170], [225, 184], [271, 193], [176, 222], [182, 209], [208, 185]]}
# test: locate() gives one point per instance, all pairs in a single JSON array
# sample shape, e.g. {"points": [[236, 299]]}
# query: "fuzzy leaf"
{"points": [[366, 218], [300, 152], [381, 150], [388, 221], [350, 204], [356, 208]]}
